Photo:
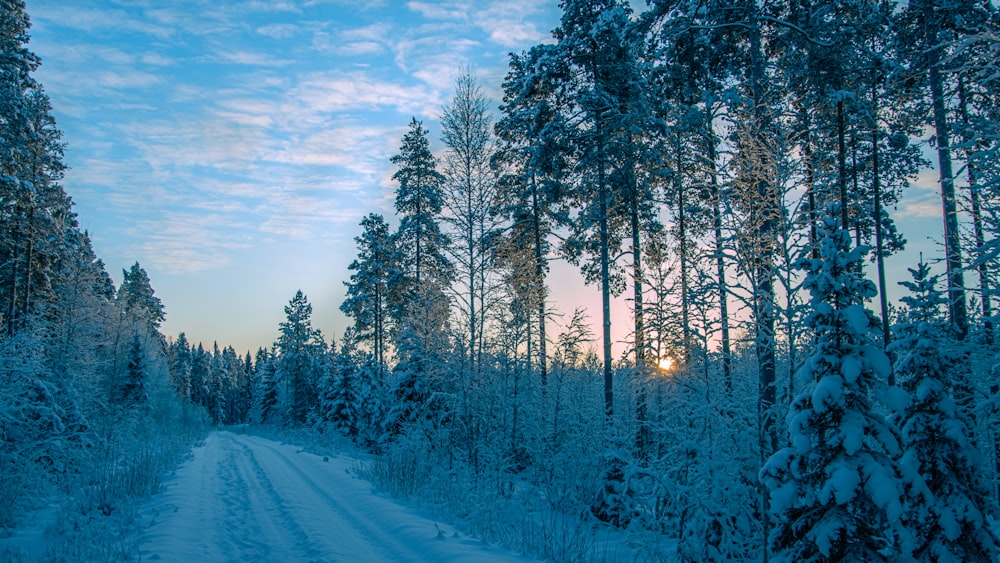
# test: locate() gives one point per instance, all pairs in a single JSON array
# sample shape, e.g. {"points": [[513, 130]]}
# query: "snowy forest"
{"points": [[730, 168]]}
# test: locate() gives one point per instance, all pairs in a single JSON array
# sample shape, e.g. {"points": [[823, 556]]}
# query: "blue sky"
{"points": [[232, 146]]}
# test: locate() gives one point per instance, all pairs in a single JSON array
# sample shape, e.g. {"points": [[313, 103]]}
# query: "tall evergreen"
{"points": [[132, 389], [35, 212], [419, 200], [368, 287], [138, 299], [928, 31], [599, 80], [299, 360], [532, 161]]}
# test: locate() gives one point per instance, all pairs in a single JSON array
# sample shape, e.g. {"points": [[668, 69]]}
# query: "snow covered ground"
{"points": [[246, 498]]}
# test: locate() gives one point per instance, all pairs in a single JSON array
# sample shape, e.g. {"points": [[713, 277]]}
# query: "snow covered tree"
{"points": [[419, 242], [946, 506], [340, 400], [179, 363], [299, 359], [599, 81], [131, 390], [39, 422], [837, 491], [928, 32], [531, 161], [201, 374], [470, 191], [368, 288], [35, 212], [266, 391], [138, 299], [424, 347]]}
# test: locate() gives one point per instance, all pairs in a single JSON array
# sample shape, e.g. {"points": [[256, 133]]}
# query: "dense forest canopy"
{"points": [[731, 168]]}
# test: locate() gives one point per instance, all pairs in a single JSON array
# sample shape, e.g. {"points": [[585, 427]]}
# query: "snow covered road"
{"points": [[245, 498]]}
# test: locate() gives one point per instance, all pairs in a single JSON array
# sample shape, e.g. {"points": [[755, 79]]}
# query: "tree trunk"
{"points": [[539, 285], [985, 282], [952, 243], [641, 438], [879, 243], [720, 260], [763, 301], [842, 166], [810, 187], [603, 195], [682, 251], [766, 233], [637, 276]]}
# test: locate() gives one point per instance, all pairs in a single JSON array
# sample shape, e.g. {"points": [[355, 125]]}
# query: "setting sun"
{"points": [[666, 363]]}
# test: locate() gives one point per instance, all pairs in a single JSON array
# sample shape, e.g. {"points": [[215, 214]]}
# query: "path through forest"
{"points": [[246, 498]]}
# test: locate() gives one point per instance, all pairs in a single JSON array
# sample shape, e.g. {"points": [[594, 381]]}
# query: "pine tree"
{"points": [[423, 347], [928, 31], [179, 363], [531, 160], [266, 391], [946, 504], [138, 299], [418, 241], [837, 490], [599, 77], [201, 373]]}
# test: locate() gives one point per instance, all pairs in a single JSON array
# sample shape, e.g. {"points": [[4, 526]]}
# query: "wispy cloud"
{"points": [[92, 19], [249, 58], [191, 242], [510, 24], [440, 10], [157, 59], [279, 30], [340, 91], [128, 79]]}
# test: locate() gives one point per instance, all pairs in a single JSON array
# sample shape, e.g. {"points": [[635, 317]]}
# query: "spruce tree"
{"points": [[132, 389], [368, 287], [36, 215], [836, 490], [266, 391], [298, 363], [340, 398], [946, 503]]}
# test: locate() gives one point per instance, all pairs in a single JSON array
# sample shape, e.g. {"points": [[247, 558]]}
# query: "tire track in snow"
{"points": [[371, 533], [242, 526], [244, 498], [303, 547]]}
